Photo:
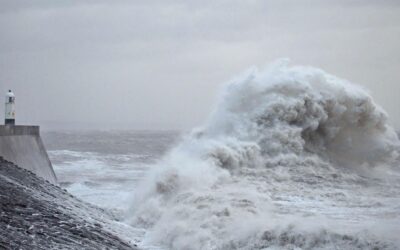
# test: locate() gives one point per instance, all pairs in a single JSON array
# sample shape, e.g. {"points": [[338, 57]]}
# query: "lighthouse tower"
{"points": [[10, 108]]}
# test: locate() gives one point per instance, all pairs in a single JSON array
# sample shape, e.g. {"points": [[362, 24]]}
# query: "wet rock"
{"points": [[35, 214]]}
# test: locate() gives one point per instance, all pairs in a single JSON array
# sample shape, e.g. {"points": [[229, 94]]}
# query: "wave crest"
{"points": [[281, 141]]}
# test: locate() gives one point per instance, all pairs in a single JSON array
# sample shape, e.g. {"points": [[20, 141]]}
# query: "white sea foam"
{"points": [[106, 180], [291, 157]]}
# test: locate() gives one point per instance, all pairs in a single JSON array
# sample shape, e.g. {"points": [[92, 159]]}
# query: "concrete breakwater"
{"points": [[23, 146]]}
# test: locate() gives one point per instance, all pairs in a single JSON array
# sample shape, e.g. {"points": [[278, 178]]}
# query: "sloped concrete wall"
{"points": [[23, 146]]}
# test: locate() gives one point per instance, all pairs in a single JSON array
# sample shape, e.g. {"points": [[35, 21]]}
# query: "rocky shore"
{"points": [[35, 214]]}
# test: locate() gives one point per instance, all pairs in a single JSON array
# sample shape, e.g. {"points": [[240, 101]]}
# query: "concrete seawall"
{"points": [[23, 146]]}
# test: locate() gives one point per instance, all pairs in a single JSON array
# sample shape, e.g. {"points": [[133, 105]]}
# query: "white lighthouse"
{"points": [[10, 108]]}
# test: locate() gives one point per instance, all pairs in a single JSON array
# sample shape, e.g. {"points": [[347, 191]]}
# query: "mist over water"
{"points": [[291, 157]]}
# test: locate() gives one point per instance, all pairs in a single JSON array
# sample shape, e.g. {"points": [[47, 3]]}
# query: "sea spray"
{"points": [[290, 158]]}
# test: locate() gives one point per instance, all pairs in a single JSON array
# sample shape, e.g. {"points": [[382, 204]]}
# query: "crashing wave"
{"points": [[285, 146]]}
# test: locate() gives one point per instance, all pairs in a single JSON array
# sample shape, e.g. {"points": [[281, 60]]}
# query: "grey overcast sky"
{"points": [[159, 64]]}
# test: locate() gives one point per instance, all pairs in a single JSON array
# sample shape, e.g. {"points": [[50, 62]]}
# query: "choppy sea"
{"points": [[104, 167]]}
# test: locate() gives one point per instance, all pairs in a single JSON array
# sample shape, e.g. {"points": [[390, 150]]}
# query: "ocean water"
{"points": [[291, 158], [104, 167]]}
